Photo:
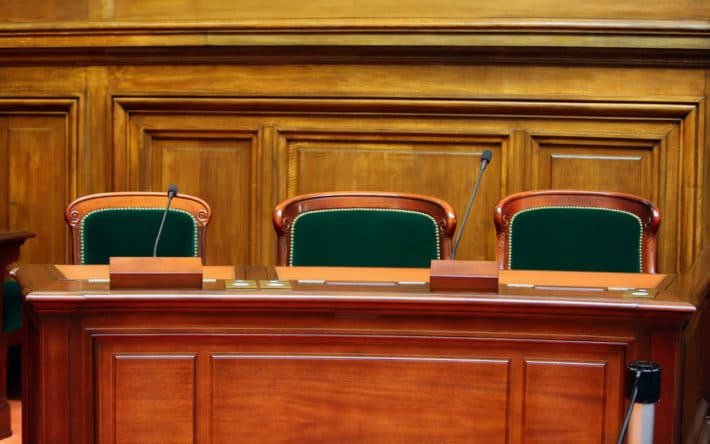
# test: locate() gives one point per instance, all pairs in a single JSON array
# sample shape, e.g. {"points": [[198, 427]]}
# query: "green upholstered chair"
{"points": [[12, 312], [573, 230], [126, 224], [368, 229], [11, 306], [14, 334]]}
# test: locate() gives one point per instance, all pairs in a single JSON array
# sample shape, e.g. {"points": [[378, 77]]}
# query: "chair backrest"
{"points": [[11, 306], [126, 224], [576, 231], [367, 229]]}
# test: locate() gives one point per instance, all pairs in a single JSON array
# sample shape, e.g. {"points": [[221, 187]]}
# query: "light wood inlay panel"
{"points": [[562, 399], [358, 398], [139, 380]]}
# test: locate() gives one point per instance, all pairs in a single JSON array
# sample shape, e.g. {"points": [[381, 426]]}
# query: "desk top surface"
{"points": [[54, 286]]}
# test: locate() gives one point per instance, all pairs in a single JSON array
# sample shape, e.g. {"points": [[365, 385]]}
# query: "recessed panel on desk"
{"points": [[364, 399], [151, 399], [566, 400]]}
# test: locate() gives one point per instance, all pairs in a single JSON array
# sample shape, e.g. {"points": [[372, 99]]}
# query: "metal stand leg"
{"points": [[641, 424]]}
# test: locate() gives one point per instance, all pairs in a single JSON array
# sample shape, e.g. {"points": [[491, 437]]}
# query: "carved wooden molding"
{"points": [[35, 105], [673, 109], [631, 42]]}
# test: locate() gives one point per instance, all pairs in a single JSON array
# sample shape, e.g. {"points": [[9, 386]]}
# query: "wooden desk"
{"points": [[342, 361], [10, 243]]}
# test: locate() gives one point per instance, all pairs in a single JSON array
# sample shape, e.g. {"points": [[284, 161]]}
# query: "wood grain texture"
{"points": [[245, 155], [151, 400], [429, 92], [363, 363], [411, 151], [29, 144], [575, 415], [357, 398]]}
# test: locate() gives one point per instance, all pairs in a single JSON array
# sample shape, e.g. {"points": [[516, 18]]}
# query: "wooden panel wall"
{"points": [[245, 112], [152, 10]]}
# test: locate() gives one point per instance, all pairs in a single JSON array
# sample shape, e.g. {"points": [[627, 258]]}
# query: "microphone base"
{"points": [[473, 276], [153, 273]]}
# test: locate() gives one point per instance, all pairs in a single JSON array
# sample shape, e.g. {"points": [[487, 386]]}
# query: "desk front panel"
{"points": [[324, 363], [316, 377]]}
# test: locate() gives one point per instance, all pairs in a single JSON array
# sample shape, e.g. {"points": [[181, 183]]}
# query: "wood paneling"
{"points": [[245, 155], [280, 105], [359, 398], [246, 103], [48, 10], [568, 415], [441, 165], [17, 11], [218, 167], [36, 158], [138, 381], [360, 388], [326, 361]]}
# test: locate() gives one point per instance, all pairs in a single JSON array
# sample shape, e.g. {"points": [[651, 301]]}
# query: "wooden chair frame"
{"points": [[81, 207], [288, 210], [645, 210]]}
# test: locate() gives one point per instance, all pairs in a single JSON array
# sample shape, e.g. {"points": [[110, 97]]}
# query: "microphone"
{"points": [[485, 160], [172, 192]]}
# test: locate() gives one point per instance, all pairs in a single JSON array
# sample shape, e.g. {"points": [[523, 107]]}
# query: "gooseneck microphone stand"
{"points": [[643, 386], [172, 192], [485, 160]]}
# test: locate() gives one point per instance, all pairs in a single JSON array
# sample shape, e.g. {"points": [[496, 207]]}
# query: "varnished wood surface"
{"points": [[244, 154], [696, 284], [16, 421], [168, 11], [323, 361], [281, 99], [52, 286]]}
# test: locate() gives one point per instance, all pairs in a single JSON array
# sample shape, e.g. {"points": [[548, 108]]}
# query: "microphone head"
{"points": [[485, 159], [172, 190]]}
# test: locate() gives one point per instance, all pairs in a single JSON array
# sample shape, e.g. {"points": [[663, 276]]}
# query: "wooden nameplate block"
{"points": [[452, 275], [150, 273]]}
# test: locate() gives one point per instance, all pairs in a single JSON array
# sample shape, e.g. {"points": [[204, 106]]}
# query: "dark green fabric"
{"points": [[575, 239], [11, 306], [364, 238], [132, 232]]}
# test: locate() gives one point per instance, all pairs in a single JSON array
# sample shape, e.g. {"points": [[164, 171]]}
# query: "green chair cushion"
{"points": [[575, 239], [11, 306], [364, 237], [132, 231]]}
